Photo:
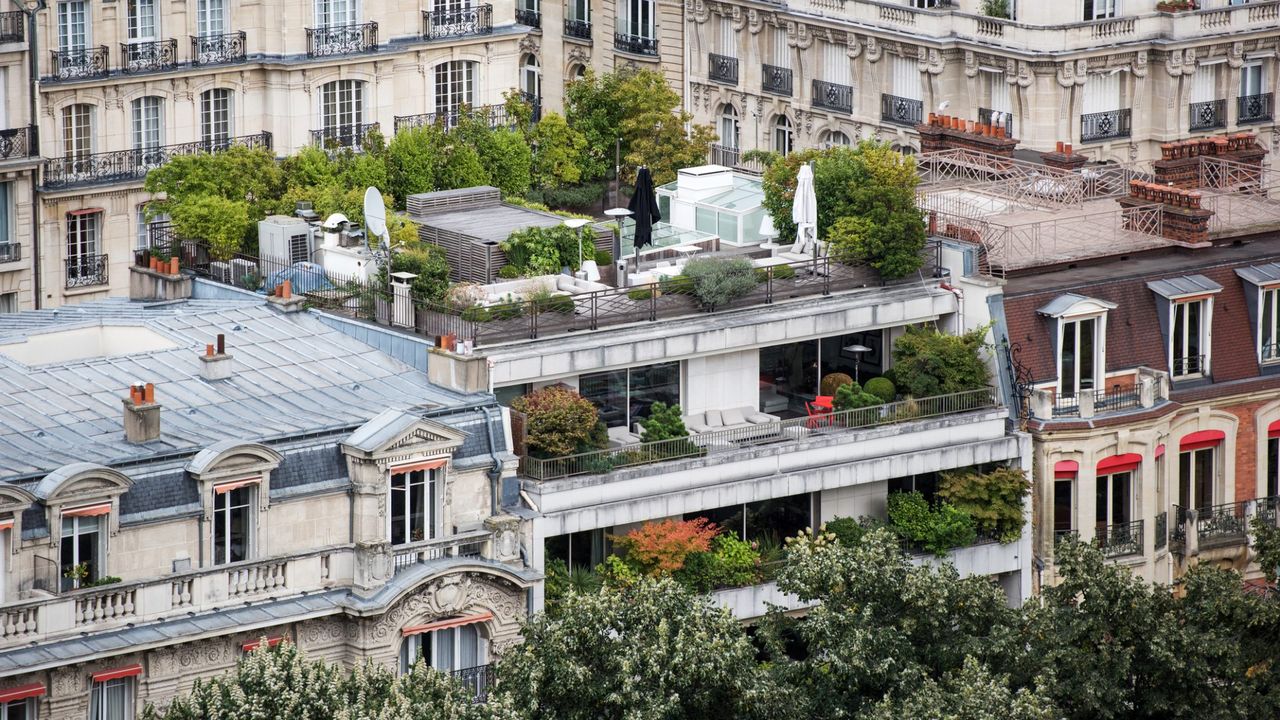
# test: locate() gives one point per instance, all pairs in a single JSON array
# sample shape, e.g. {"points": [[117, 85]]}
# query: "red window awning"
{"points": [[447, 623], [22, 692], [425, 465], [1201, 439], [1066, 469], [6, 525], [1160, 450], [88, 510], [1127, 462], [272, 641], [227, 487], [1273, 430], [117, 673]]}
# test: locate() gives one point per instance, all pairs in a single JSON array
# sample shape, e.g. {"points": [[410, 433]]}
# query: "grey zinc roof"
{"points": [[1064, 302], [1176, 287], [293, 375], [382, 429], [1261, 274]]}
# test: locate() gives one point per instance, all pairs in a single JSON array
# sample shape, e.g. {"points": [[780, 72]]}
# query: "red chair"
{"points": [[827, 402], [819, 414]]}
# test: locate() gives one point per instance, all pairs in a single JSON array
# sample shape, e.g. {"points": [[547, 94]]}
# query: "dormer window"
{"points": [[413, 502], [1269, 326], [1081, 342], [1186, 317], [82, 549], [1262, 293]]}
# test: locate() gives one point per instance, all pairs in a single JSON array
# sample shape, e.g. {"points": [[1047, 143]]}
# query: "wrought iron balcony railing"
{"points": [[477, 680], [130, 165], [535, 104], [81, 64], [10, 252], [776, 80], [1119, 540], [1162, 530], [987, 116], [532, 18], [86, 271], [493, 115], [1104, 401], [438, 25], [342, 39], [725, 155], [220, 49], [901, 111], [1208, 115], [722, 69], [635, 44], [151, 56], [1224, 523], [19, 143], [832, 96], [13, 25], [343, 136], [1189, 365], [1106, 125], [580, 29], [1254, 108]]}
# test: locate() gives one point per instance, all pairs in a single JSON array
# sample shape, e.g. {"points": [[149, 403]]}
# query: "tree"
{"points": [[994, 499], [411, 162], [504, 152], [927, 363], [428, 263], [560, 148], [247, 175], [216, 219], [1266, 539], [971, 693], [663, 423], [660, 548], [592, 108], [558, 421], [649, 651]]}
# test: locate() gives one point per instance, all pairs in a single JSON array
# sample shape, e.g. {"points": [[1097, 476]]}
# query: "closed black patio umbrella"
{"points": [[644, 209]]}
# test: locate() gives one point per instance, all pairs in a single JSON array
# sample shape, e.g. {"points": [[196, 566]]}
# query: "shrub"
{"points": [[832, 382], [929, 363], [718, 281], [853, 397], [546, 250], [604, 257], [641, 294], [882, 388], [935, 530], [545, 301], [558, 422], [508, 272], [678, 285], [993, 500], [664, 423], [779, 272], [846, 529], [429, 264], [660, 548], [731, 562]]}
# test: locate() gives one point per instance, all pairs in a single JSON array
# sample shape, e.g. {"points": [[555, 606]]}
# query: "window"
{"points": [[583, 549], [142, 20], [81, 550], [836, 67], [455, 85], [782, 138], [215, 116], [1251, 80], [1102, 93], [82, 239], [1272, 488], [143, 239], [906, 77], [835, 138], [413, 500], [112, 700], [1100, 9], [6, 218], [1189, 344], [342, 104], [781, 50], [1269, 332], [726, 37], [335, 13], [147, 134], [530, 77], [211, 17], [448, 649], [728, 127], [73, 25], [1196, 473], [232, 523], [623, 397], [1078, 356], [639, 19], [776, 519], [19, 710], [77, 131], [8, 302], [1062, 514], [580, 10], [1114, 499]]}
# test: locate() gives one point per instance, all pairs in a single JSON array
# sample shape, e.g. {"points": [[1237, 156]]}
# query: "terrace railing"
{"points": [[10, 252], [1119, 540], [1162, 530], [722, 441], [1222, 523], [493, 115], [722, 69], [462, 545], [477, 680], [1208, 115], [86, 271], [1103, 401], [153, 56], [131, 165], [901, 111], [776, 80], [220, 49], [13, 26], [343, 136], [342, 39], [580, 29], [442, 24], [635, 44], [532, 18], [1254, 108]]}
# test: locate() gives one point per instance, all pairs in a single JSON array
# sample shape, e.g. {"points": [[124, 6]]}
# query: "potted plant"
{"points": [[1175, 6], [77, 574]]}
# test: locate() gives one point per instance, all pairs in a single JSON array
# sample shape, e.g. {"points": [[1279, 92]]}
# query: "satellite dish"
{"points": [[375, 213]]}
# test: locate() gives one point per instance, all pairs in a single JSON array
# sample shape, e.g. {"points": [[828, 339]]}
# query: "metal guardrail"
{"points": [[477, 680], [580, 29], [80, 64], [1106, 125], [442, 24], [776, 80], [151, 56], [13, 26], [635, 44], [1103, 401], [1254, 108], [1208, 115], [222, 49], [832, 96], [343, 136], [130, 165], [722, 69], [469, 544], [493, 115], [1189, 365], [1121, 539], [10, 252], [19, 142], [86, 271], [342, 39], [722, 441], [900, 110], [1162, 530], [1222, 523], [532, 18]]}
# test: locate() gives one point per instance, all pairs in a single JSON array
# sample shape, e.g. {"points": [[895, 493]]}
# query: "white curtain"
{"points": [[1102, 92], [906, 78], [836, 64], [1203, 85], [781, 53]]}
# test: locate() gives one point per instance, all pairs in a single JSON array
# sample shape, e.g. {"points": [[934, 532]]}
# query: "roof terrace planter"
{"points": [[722, 441], [342, 40], [82, 64], [442, 24], [132, 165], [221, 49], [153, 56]]}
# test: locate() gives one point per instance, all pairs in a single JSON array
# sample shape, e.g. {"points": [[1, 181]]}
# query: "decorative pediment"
{"points": [[14, 499], [233, 457], [397, 435], [81, 481]]}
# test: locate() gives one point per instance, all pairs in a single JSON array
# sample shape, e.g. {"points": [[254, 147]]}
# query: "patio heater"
{"points": [[576, 225], [857, 351], [618, 214]]}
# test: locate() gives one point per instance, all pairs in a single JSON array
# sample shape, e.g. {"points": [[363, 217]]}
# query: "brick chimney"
{"points": [[215, 364], [141, 414], [947, 132], [1183, 219], [1063, 158], [1179, 163]]}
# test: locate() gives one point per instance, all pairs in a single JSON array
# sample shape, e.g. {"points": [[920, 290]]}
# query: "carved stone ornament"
{"points": [[874, 49], [798, 36], [739, 18], [528, 45], [852, 47], [930, 61], [1235, 55], [697, 11], [971, 63], [579, 54], [1073, 73], [755, 21], [453, 595], [1140, 64]]}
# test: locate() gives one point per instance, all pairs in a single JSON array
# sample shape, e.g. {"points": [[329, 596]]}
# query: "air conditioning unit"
{"points": [[241, 269], [284, 240], [220, 271]]}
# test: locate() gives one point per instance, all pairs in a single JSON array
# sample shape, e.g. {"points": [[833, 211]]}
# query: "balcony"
{"points": [[86, 271], [987, 116], [580, 29], [439, 25], [1226, 525], [1094, 402], [477, 680], [465, 545], [13, 25], [1189, 366], [776, 80], [635, 44], [342, 40], [832, 96], [80, 64], [493, 115], [132, 165], [901, 111], [1254, 108], [535, 105], [343, 136], [722, 69], [1208, 115], [222, 49], [153, 56], [532, 18], [1106, 125], [1120, 540], [16, 143], [1148, 389], [10, 252]]}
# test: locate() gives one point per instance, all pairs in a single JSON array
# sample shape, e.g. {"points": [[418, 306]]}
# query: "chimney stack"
{"points": [[141, 414], [215, 364]]}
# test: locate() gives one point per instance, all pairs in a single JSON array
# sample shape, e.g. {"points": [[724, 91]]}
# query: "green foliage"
{"points": [[663, 423], [560, 582], [429, 264], [718, 281], [214, 218], [411, 162], [546, 250], [996, 8], [994, 500], [850, 531], [546, 301], [558, 421], [238, 174], [729, 563], [575, 197], [593, 108], [934, 529], [929, 363], [508, 272], [560, 148], [882, 388], [1266, 539], [643, 294], [971, 693], [778, 272], [832, 382], [851, 396], [764, 157]]}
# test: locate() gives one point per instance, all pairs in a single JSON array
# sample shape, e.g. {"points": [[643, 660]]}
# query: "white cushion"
{"points": [[713, 418], [696, 428], [693, 419], [733, 416], [760, 418]]}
